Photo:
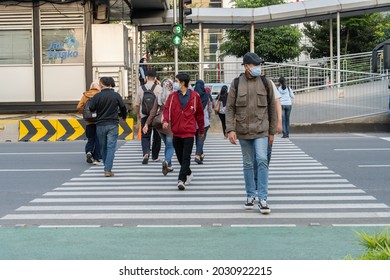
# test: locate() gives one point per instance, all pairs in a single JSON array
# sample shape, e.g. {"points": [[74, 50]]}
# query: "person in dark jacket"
{"points": [[183, 110], [106, 104]]}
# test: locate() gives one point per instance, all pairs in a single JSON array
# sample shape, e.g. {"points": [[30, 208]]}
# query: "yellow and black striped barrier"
{"points": [[64, 130]]}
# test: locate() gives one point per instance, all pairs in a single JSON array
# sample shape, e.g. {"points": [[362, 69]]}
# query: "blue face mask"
{"points": [[255, 71], [176, 86]]}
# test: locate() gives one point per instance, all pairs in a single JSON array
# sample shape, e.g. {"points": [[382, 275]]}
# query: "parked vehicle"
{"points": [[216, 88]]}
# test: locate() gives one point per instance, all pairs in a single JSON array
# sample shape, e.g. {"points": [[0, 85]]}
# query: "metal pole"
{"points": [[252, 38], [137, 59], [176, 49], [331, 50], [201, 70], [338, 50], [308, 71]]}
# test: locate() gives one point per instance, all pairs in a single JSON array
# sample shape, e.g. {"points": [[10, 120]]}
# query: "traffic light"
{"points": [[184, 11], [177, 30]]}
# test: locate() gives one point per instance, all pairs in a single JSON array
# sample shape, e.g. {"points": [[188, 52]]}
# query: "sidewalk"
{"points": [[206, 243]]}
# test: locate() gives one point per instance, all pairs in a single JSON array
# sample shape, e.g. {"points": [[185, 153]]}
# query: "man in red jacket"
{"points": [[183, 109]]}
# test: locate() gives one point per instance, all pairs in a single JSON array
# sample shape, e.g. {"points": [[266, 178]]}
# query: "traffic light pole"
{"points": [[176, 49]]}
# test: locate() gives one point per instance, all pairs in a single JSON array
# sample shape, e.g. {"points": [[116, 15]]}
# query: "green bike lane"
{"points": [[206, 243]]}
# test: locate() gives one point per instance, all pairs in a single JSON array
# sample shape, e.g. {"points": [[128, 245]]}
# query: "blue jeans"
{"points": [[286, 111], [200, 143], [93, 142], [169, 150], [108, 136], [250, 149]]}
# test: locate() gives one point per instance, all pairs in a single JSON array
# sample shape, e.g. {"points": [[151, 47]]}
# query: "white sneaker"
{"points": [[181, 186], [97, 162], [189, 178], [264, 207]]}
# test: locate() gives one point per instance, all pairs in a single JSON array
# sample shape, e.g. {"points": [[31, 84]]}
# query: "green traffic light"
{"points": [[177, 29], [176, 40]]}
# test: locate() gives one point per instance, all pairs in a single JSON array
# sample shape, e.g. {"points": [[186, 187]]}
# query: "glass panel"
{"points": [[62, 46], [16, 47]]}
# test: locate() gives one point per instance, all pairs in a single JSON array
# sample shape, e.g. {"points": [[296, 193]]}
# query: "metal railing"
{"points": [[317, 100]]}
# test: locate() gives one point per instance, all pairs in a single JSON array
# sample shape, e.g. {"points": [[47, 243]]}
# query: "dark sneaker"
{"points": [[263, 207], [249, 203], [198, 161], [165, 168], [181, 186], [145, 160], [89, 157]]}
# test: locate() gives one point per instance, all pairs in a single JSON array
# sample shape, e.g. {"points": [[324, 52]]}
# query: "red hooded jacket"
{"points": [[183, 121]]}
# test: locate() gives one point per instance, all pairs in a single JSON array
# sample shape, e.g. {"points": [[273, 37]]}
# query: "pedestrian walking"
{"points": [[183, 111], [106, 104], [92, 149], [143, 68], [286, 96], [207, 110], [220, 108], [251, 118], [165, 133], [144, 102]]}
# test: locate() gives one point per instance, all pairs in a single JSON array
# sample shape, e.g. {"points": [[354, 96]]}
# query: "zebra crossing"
{"points": [[302, 191]]}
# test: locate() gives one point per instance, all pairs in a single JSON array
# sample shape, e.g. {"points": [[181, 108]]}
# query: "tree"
{"points": [[160, 46], [358, 34], [274, 44]]}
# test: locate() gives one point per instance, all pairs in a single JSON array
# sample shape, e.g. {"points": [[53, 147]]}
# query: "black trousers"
{"points": [[145, 140], [223, 122], [183, 148]]}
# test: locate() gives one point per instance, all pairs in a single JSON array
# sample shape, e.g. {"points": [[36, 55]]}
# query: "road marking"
{"points": [[198, 199], [386, 138], [32, 170], [69, 226], [210, 179], [44, 153], [360, 225], [364, 149], [238, 206], [169, 226], [201, 187], [374, 165], [192, 192], [156, 216], [264, 225]]}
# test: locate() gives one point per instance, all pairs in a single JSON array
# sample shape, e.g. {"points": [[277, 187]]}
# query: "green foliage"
{"points": [[276, 44], [377, 246], [160, 46], [358, 34]]}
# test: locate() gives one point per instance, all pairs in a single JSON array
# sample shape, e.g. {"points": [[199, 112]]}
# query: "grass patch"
{"points": [[377, 246]]}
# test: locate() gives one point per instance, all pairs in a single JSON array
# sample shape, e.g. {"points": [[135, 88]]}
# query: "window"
{"points": [[16, 47], [62, 46]]}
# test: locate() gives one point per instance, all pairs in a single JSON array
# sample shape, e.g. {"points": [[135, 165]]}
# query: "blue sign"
{"points": [[63, 49]]}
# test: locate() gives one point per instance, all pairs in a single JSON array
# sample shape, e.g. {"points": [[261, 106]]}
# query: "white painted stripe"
{"points": [[361, 225], [185, 199], [264, 225], [191, 192], [364, 149], [202, 187], [158, 216], [34, 170], [238, 206], [209, 169], [201, 172], [169, 226], [386, 138], [128, 177], [69, 226], [374, 165], [43, 153]]}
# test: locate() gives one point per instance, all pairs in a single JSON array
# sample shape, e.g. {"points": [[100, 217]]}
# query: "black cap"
{"points": [[151, 73], [252, 58]]}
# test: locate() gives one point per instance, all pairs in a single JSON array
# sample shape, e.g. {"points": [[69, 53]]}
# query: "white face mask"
{"points": [[255, 71], [176, 86]]}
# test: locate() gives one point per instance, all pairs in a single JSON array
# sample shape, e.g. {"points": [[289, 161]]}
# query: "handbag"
{"points": [[157, 121], [217, 107]]}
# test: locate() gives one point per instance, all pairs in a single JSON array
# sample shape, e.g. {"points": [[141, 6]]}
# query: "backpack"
{"points": [[148, 100], [87, 114]]}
